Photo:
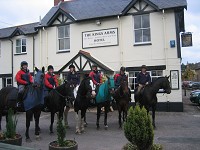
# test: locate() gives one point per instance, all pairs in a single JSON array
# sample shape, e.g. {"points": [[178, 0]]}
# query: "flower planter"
{"points": [[72, 146], [16, 141]]}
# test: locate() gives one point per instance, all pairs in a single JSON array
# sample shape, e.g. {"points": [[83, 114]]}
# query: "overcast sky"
{"points": [[17, 12]]}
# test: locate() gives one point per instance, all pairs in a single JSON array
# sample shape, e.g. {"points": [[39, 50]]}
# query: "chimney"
{"points": [[56, 2]]}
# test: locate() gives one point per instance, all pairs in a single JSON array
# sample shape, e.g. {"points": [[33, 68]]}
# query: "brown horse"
{"points": [[122, 98]]}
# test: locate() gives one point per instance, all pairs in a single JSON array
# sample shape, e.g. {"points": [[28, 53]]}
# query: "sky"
{"points": [[18, 12]]}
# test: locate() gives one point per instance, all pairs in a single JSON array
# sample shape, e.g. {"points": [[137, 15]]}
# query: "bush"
{"points": [[130, 146], [138, 128], [11, 125], [61, 132]]}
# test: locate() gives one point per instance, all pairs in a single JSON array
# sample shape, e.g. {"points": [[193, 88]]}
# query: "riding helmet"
{"points": [[122, 69], [144, 66], [24, 63], [50, 67], [94, 65], [71, 66]]}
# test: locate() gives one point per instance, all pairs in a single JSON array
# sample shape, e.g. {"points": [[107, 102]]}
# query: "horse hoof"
{"points": [[28, 140], [98, 127], [106, 127], [51, 132], [37, 137], [85, 124], [78, 132]]}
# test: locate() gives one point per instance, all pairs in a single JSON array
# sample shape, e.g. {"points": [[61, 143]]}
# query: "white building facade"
{"points": [[113, 33]]}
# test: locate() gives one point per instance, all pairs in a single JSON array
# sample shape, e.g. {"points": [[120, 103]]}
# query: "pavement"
{"points": [[174, 130]]}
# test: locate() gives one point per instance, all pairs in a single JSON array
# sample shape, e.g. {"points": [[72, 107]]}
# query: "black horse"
{"points": [[103, 99], [33, 101], [86, 91], [56, 100], [122, 98], [147, 97]]}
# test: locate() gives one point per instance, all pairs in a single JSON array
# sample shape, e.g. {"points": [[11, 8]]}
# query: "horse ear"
{"points": [[36, 69], [43, 69], [168, 77]]}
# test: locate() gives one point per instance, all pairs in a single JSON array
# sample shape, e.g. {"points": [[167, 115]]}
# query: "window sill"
{"points": [[19, 54], [142, 44], [64, 51]]}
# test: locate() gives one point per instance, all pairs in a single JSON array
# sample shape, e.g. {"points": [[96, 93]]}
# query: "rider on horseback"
{"points": [[50, 79], [73, 76], [23, 78], [96, 76], [143, 78]]}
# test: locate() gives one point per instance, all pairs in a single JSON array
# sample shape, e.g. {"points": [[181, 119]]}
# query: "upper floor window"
{"points": [[7, 81], [64, 38], [20, 46], [133, 75], [142, 29]]}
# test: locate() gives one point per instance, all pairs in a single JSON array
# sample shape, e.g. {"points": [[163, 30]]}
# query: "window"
{"points": [[64, 38], [142, 29], [7, 82], [133, 75], [20, 46]]}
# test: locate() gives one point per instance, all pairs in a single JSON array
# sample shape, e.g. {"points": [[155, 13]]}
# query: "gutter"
{"points": [[120, 41], [12, 61], [33, 54]]}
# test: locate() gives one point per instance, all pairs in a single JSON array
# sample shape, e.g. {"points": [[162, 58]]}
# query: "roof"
{"points": [[79, 10], [23, 29], [90, 60]]}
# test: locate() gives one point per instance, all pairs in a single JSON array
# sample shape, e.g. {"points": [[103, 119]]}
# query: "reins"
{"points": [[61, 94]]}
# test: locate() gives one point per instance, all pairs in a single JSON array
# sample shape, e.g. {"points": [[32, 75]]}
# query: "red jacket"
{"points": [[96, 77], [23, 77], [50, 81]]}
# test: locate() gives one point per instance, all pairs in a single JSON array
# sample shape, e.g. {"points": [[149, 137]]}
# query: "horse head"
{"points": [[39, 77], [90, 86], [124, 87], [165, 84], [68, 90]]}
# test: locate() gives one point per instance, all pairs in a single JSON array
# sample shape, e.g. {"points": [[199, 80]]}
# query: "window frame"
{"points": [[5, 81], [142, 29], [64, 38], [21, 46]]}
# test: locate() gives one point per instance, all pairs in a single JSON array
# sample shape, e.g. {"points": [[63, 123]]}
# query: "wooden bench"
{"points": [[4, 146]]}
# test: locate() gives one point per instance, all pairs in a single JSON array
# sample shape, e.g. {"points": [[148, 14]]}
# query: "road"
{"points": [[175, 130]]}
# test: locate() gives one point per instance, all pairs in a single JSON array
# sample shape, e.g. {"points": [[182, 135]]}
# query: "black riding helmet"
{"points": [[144, 67], [24, 63], [71, 66], [122, 69], [50, 67], [94, 65]]}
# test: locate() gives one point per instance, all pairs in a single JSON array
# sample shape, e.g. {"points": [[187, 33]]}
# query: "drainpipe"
{"points": [[165, 38], [12, 61], [120, 42], [47, 57], [40, 48], [33, 54]]}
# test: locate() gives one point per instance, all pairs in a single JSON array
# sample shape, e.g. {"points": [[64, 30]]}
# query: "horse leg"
{"points": [[65, 116], [37, 114], [107, 106], [98, 115], [0, 119], [52, 121], [77, 123], [85, 122], [83, 112], [29, 115], [153, 116]]}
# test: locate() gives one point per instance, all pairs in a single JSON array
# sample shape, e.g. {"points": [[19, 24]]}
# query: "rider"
{"points": [[143, 78], [121, 77], [23, 78], [73, 76], [96, 76], [50, 79]]}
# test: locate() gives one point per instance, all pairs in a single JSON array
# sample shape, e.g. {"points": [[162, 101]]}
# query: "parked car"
{"points": [[195, 85], [195, 97]]}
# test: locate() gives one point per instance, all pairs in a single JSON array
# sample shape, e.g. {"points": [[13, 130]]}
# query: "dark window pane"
{"points": [[23, 49], [138, 36], [9, 81], [145, 21], [159, 73], [60, 32], [137, 22], [61, 44], [18, 42], [18, 49], [24, 42], [67, 43], [67, 31], [146, 35]]}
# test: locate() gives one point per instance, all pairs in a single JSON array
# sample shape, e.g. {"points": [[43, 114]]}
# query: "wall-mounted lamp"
{"points": [[98, 22]]}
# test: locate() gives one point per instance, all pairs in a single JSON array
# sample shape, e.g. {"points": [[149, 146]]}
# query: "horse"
{"points": [[56, 100], [103, 99], [32, 101], [147, 97], [122, 98], [86, 91]]}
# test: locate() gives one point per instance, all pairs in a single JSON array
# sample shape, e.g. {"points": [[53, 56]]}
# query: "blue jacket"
{"points": [[73, 77], [143, 78]]}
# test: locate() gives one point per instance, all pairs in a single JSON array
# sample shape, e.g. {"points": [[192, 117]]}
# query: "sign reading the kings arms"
{"points": [[99, 38]]}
